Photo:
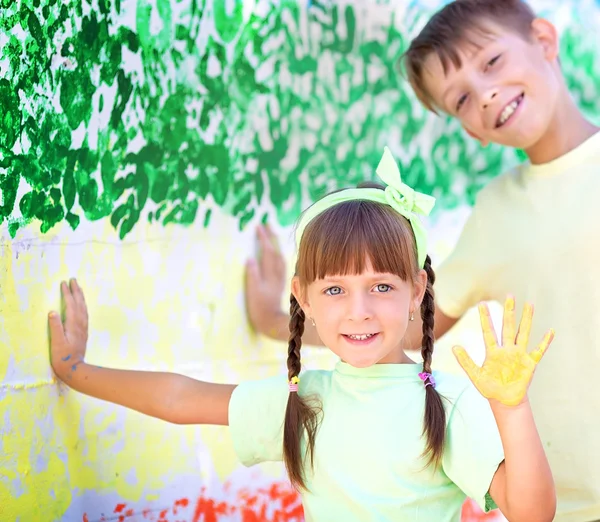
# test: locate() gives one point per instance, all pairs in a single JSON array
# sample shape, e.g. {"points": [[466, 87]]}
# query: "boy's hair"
{"points": [[455, 24], [340, 241]]}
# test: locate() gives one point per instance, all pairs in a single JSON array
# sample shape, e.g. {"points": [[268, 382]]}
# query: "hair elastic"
{"points": [[427, 378], [293, 384]]}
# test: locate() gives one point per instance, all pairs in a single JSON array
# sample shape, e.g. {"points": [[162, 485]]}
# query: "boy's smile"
{"points": [[504, 90]]}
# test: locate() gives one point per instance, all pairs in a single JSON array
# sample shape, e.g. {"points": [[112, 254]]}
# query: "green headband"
{"points": [[403, 199]]}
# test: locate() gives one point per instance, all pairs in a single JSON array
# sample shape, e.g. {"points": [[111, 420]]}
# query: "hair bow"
{"points": [[402, 198]]}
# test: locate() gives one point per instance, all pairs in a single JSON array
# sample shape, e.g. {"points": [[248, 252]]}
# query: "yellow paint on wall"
{"points": [[166, 299]]}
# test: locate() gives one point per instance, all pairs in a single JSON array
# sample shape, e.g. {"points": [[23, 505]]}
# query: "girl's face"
{"points": [[362, 318]]}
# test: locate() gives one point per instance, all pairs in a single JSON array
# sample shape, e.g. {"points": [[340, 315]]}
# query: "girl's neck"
{"points": [[397, 356]]}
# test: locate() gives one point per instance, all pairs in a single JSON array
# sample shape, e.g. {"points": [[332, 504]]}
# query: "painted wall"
{"points": [[140, 143]]}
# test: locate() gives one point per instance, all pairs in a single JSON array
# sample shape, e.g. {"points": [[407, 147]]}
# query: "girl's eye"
{"points": [[383, 288], [334, 290], [461, 101]]}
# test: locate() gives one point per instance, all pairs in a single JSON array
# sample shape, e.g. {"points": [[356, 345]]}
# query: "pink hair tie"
{"points": [[427, 378], [293, 384]]}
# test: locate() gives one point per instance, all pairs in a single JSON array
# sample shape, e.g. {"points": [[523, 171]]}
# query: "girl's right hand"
{"points": [[68, 341], [508, 368]]}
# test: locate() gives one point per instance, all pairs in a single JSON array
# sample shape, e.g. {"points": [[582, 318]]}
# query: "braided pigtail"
{"points": [[300, 417], [434, 422]]}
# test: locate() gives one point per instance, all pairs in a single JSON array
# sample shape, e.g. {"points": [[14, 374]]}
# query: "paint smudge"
{"points": [[66, 358], [276, 503]]}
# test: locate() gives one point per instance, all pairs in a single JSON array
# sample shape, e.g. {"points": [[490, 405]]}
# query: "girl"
{"points": [[378, 437]]}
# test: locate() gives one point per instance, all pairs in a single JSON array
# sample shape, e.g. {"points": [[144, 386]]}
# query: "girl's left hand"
{"points": [[507, 369], [68, 341]]}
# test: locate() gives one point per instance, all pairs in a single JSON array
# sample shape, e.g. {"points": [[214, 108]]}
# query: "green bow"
{"points": [[402, 198]]}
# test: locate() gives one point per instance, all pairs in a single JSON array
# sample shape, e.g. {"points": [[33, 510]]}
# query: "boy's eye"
{"points": [[334, 290], [383, 288], [493, 61], [461, 101]]}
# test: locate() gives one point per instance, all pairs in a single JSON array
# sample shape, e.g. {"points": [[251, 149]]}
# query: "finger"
{"points": [[76, 293], [525, 327], [68, 300], [79, 299], [271, 236], [539, 352], [467, 364], [487, 327], [265, 249], [509, 322], [252, 276], [57, 332]]}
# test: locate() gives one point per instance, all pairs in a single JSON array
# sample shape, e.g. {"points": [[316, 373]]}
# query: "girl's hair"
{"points": [[340, 241]]}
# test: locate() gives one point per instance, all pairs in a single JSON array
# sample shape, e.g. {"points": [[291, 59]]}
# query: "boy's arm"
{"points": [[414, 334], [265, 284], [167, 396]]}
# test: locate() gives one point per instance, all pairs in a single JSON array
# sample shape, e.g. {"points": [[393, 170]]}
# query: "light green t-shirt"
{"points": [[367, 460]]}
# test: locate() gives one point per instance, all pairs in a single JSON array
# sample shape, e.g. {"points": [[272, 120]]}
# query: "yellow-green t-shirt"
{"points": [[535, 233], [367, 460]]}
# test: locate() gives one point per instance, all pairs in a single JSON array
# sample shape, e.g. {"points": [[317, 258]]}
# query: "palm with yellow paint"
{"points": [[507, 370]]}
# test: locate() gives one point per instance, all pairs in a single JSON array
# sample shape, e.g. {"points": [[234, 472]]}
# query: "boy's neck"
{"points": [[568, 130]]}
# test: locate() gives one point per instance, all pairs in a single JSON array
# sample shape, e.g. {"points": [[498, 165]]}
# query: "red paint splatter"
{"points": [[209, 509], [182, 502], [85, 518], [278, 502]]}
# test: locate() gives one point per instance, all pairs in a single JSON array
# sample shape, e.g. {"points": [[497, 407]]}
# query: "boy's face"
{"points": [[506, 88]]}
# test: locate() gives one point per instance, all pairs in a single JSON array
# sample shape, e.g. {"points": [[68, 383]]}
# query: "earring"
{"points": [[412, 316], [312, 321]]}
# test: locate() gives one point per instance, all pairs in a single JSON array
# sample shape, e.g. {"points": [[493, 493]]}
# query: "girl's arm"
{"points": [[167, 396], [523, 487]]}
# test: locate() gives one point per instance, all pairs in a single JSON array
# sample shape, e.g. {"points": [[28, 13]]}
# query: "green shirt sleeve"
{"points": [[473, 447], [256, 415]]}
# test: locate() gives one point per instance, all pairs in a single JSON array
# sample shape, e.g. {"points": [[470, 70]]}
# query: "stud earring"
{"points": [[412, 316]]}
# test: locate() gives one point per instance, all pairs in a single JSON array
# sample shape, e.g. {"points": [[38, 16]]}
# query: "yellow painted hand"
{"points": [[507, 369]]}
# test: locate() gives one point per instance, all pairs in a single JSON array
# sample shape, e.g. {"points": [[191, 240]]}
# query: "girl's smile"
{"points": [[363, 317]]}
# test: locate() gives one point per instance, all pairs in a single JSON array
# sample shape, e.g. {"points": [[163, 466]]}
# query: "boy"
{"points": [[533, 231]]}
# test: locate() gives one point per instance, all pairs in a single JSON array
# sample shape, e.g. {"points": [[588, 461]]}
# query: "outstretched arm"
{"points": [[523, 487], [168, 396]]}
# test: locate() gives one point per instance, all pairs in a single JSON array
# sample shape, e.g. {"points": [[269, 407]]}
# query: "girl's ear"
{"points": [[301, 297], [419, 287]]}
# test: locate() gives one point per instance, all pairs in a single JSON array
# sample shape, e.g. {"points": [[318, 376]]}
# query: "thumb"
{"points": [[467, 364], [252, 275], [57, 332]]}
